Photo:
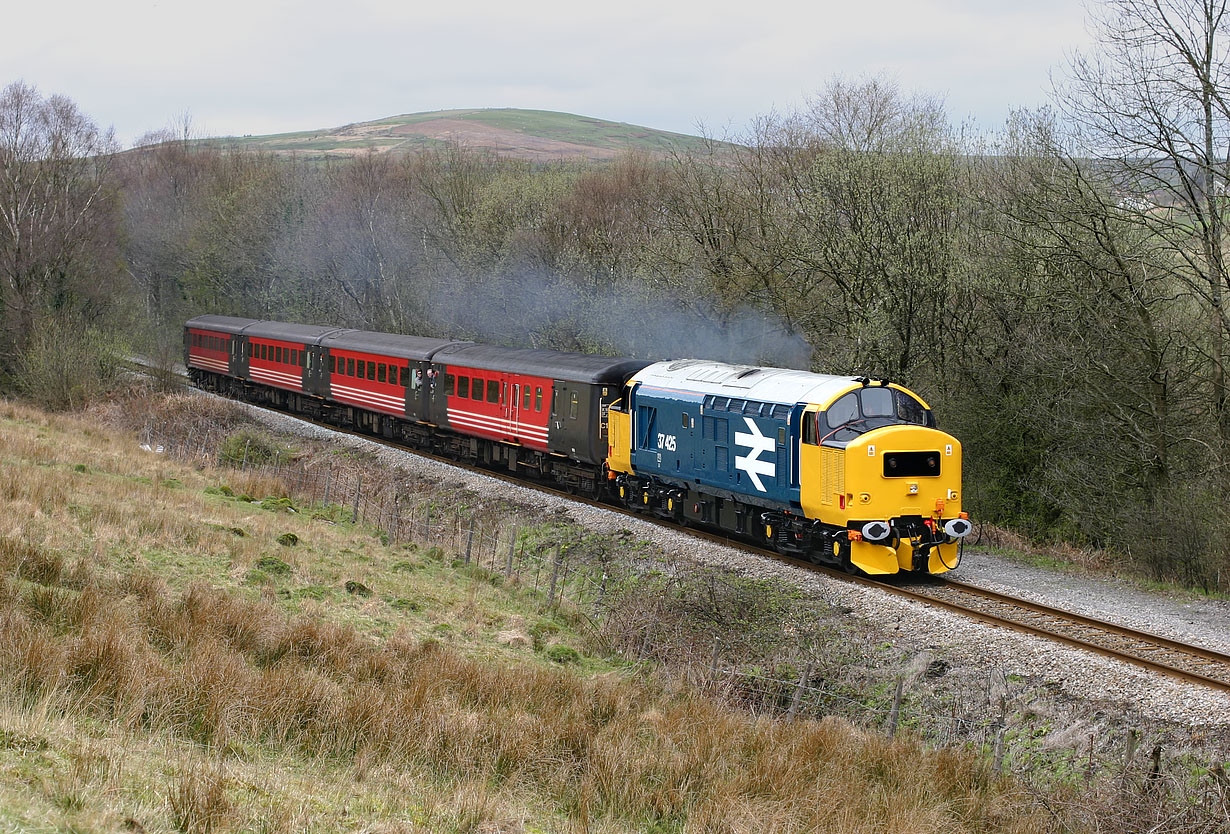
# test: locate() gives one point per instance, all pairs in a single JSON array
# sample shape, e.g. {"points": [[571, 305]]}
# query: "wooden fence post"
{"points": [[358, 493], [798, 690], [512, 546], [470, 541], [559, 558], [896, 710]]}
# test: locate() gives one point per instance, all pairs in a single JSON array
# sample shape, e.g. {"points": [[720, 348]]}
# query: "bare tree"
{"points": [[1151, 107], [58, 212]]}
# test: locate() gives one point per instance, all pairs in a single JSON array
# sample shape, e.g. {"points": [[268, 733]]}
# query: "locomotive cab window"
{"points": [[810, 436]]}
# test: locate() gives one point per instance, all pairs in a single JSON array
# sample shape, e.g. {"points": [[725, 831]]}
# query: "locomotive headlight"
{"points": [[873, 531], [958, 527]]}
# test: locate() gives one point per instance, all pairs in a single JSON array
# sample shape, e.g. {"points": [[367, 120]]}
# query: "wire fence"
{"points": [[565, 576]]}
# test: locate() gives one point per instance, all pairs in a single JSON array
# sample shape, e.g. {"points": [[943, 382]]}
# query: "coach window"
{"points": [[449, 382], [572, 406], [332, 364], [380, 372], [493, 391], [525, 397], [463, 386], [538, 399], [349, 367]]}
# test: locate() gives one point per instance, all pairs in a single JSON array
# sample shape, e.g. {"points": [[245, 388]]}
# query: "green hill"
{"points": [[525, 134]]}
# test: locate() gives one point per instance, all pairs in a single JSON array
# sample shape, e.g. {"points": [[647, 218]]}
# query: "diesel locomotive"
{"points": [[842, 470]]}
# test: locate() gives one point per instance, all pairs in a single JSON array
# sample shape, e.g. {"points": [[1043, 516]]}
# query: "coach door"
{"points": [[512, 407]]}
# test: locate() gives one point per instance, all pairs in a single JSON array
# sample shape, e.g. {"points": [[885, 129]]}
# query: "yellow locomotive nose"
{"points": [[907, 481]]}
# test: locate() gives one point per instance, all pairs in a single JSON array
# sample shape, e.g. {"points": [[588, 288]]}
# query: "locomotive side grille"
{"points": [[832, 473]]}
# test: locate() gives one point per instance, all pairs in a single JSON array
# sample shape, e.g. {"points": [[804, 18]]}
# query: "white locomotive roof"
{"points": [[773, 385]]}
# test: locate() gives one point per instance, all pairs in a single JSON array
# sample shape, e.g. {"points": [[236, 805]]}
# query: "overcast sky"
{"points": [[268, 66]]}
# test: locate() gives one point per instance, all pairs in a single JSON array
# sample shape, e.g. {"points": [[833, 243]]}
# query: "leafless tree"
{"points": [[58, 212], [1152, 108]]}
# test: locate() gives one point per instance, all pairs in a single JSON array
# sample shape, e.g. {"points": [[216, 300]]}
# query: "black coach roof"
{"points": [[388, 344], [221, 324], [571, 367]]}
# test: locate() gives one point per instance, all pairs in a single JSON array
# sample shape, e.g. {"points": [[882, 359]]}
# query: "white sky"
{"points": [[267, 66]]}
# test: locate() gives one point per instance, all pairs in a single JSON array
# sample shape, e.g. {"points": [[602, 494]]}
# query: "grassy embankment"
{"points": [[167, 664]]}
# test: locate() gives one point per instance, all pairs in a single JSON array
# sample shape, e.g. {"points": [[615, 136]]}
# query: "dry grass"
{"points": [[239, 713]]}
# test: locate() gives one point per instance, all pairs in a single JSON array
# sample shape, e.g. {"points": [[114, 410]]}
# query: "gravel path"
{"points": [[962, 642]]}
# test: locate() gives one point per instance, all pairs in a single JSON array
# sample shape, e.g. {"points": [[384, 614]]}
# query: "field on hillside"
{"points": [[175, 656], [538, 135]]}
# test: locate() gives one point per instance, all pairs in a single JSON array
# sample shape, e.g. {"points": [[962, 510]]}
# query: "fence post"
{"points": [[328, 482], [427, 524], [998, 756], [470, 541], [244, 466], [358, 492], [512, 546], [559, 558], [896, 710], [798, 690], [1129, 751]]}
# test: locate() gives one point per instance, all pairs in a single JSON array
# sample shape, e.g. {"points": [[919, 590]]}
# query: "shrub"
{"points": [[251, 448], [65, 365], [288, 540], [563, 654], [273, 565]]}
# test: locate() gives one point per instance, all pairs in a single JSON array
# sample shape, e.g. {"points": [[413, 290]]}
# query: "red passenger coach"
{"points": [[209, 349], [369, 380], [277, 363], [507, 407]]}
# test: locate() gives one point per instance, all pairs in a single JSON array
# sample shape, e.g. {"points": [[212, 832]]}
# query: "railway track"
{"points": [[1194, 664]]}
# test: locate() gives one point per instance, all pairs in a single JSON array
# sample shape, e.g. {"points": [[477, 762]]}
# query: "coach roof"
{"points": [[221, 324], [415, 348], [307, 334], [551, 364]]}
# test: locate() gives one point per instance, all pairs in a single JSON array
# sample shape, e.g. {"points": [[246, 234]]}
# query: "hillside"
{"points": [[537, 135], [178, 656]]}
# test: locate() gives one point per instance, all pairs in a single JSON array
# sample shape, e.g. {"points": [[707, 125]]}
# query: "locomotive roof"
{"points": [[553, 364], [775, 385], [222, 324], [389, 344]]}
